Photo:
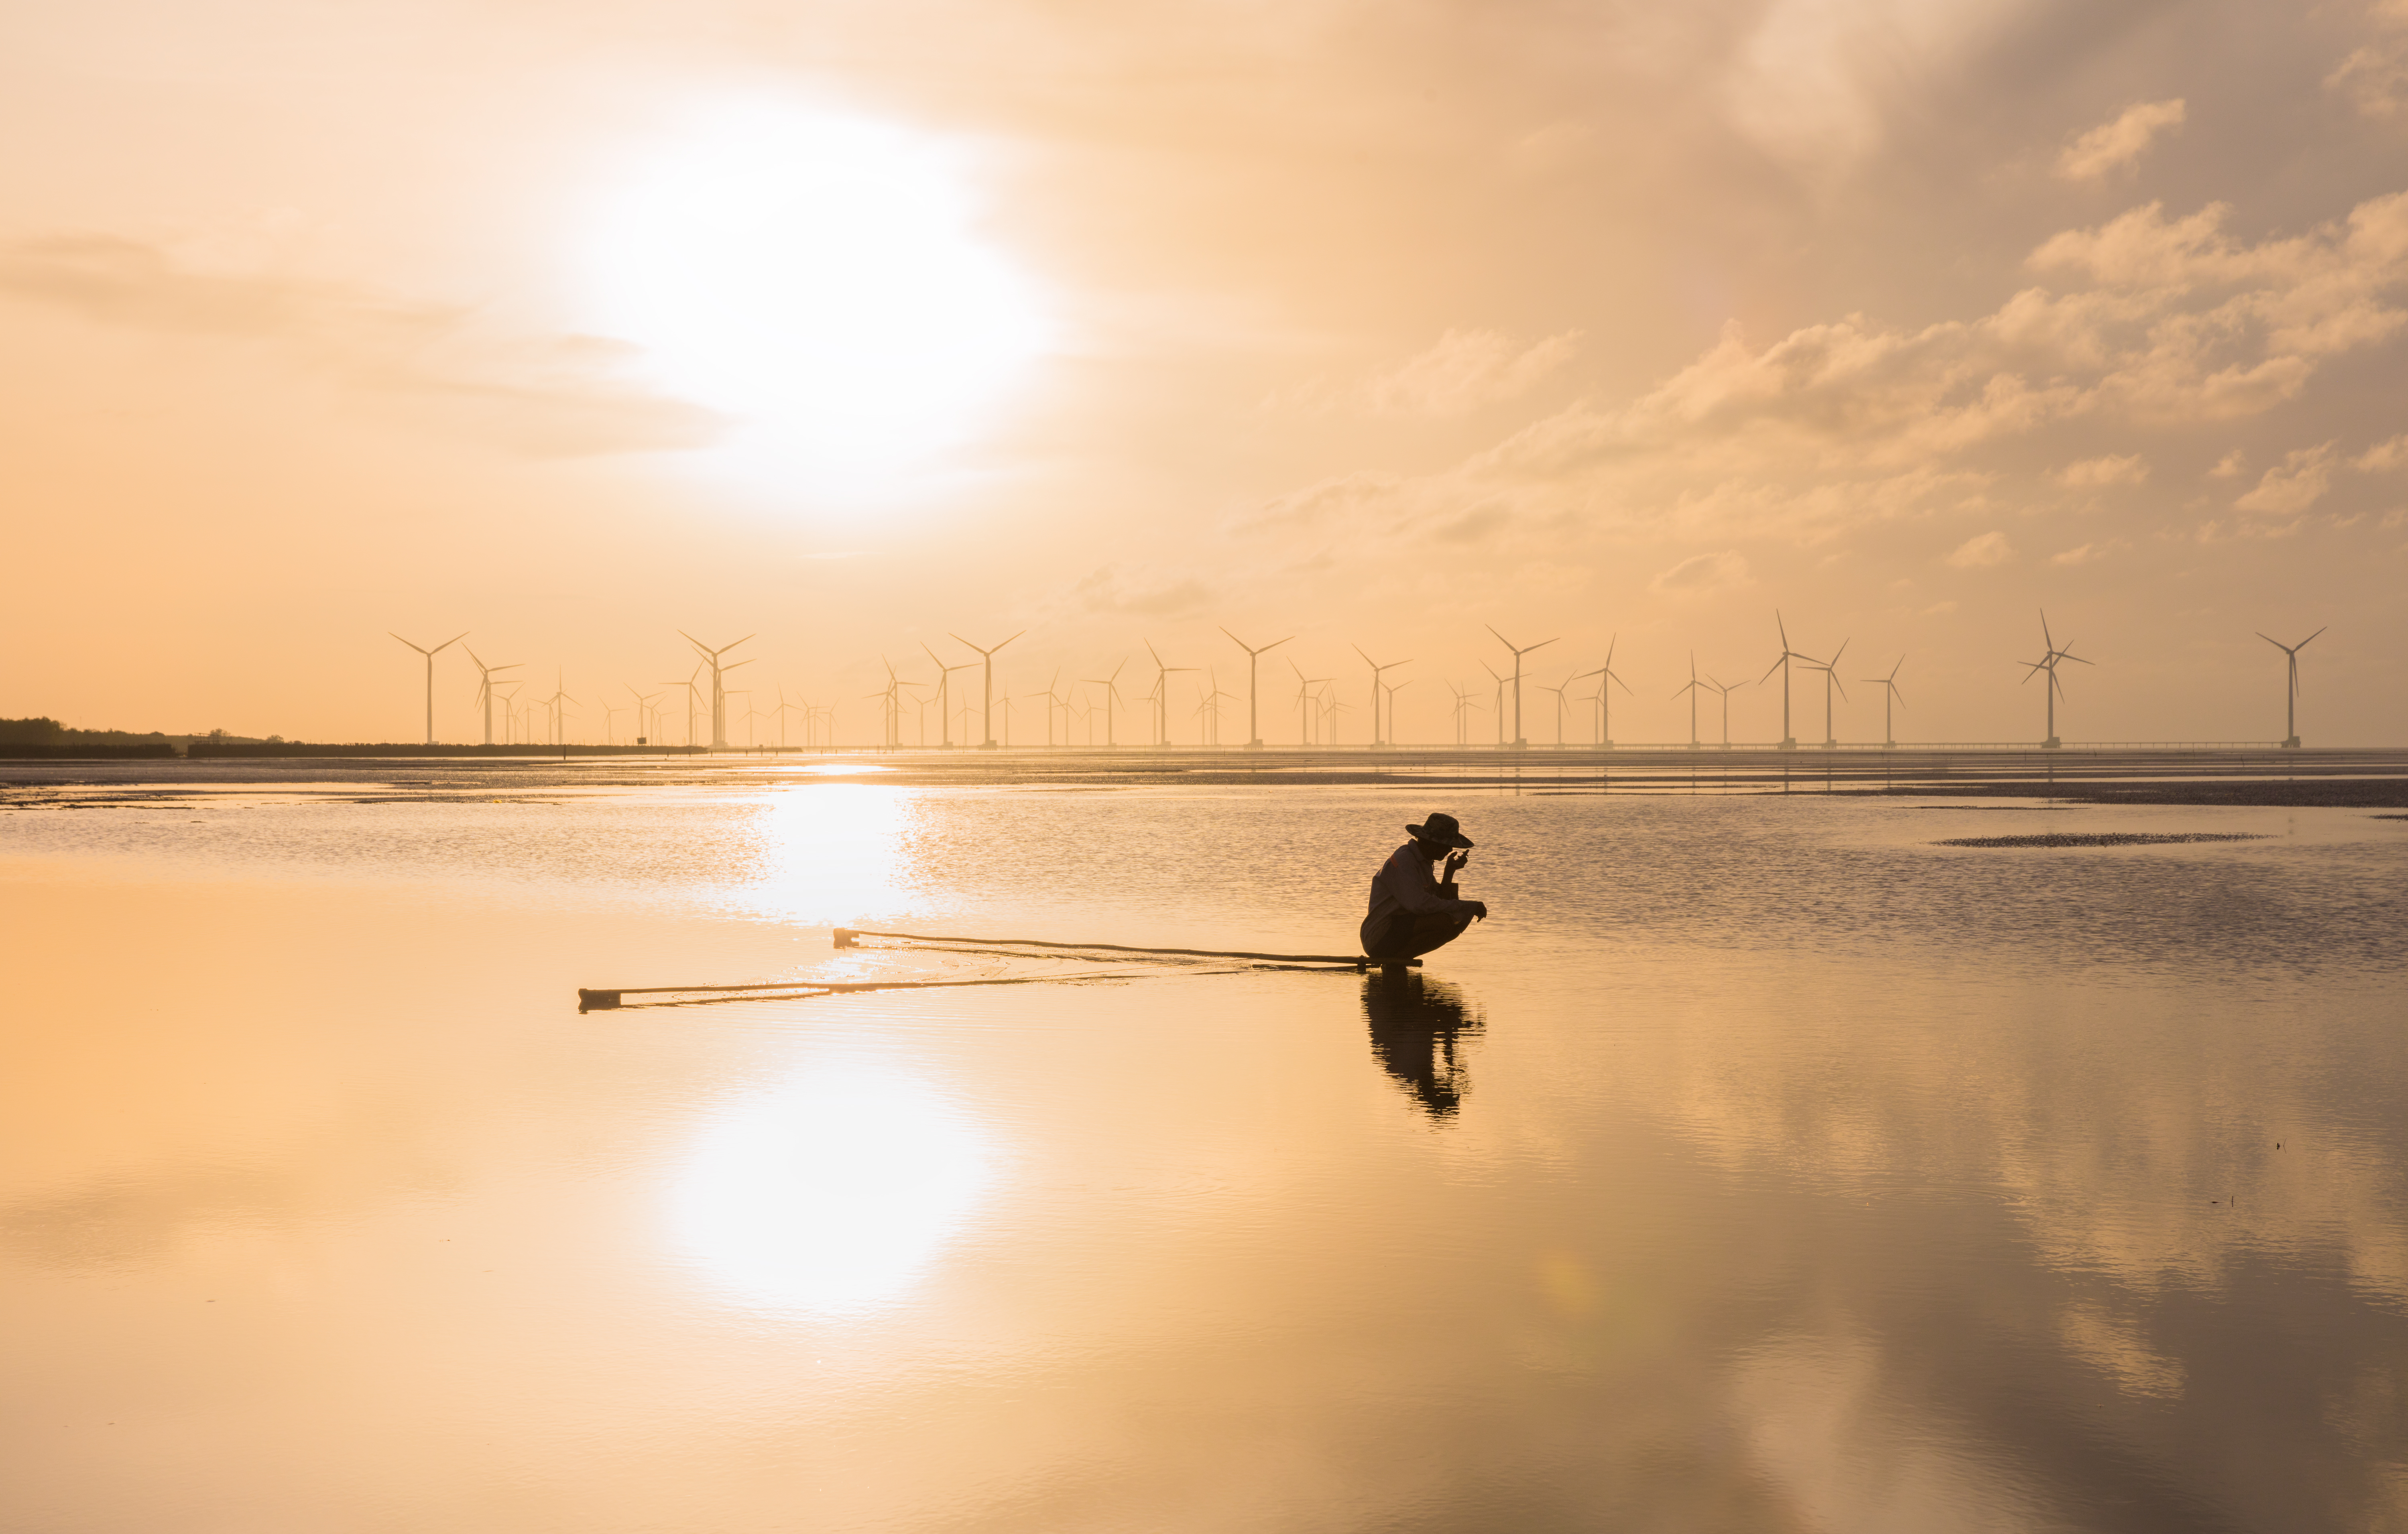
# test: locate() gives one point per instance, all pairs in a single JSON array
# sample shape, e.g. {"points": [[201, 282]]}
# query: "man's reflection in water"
{"points": [[1415, 1025]]}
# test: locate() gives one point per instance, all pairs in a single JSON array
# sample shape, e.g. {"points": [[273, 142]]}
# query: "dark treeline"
{"points": [[42, 736]]}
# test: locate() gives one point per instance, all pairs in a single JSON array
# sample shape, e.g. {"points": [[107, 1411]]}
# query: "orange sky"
{"points": [[853, 325]]}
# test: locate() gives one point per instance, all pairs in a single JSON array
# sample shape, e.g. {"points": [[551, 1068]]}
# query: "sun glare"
{"points": [[820, 281], [831, 1194]]}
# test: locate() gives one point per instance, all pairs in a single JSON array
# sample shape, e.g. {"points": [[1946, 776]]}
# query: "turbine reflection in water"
{"points": [[832, 1192]]}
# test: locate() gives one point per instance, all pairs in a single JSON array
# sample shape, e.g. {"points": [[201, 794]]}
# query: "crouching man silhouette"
{"points": [[1410, 911]]}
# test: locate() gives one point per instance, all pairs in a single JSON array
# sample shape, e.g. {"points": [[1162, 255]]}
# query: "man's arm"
{"points": [[1408, 880]]}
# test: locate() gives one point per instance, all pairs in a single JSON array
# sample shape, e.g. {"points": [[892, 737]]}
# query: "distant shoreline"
{"points": [[2259, 776]]}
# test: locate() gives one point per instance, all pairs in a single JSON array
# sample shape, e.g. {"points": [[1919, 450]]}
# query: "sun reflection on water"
{"points": [[832, 1192], [833, 853]]}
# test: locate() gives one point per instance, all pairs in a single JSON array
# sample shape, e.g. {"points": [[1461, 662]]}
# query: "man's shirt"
{"points": [[1405, 883]]}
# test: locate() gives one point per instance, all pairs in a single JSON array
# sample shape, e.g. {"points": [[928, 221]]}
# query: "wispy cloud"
{"points": [[1465, 371], [1702, 573], [2089, 554], [2383, 456], [2293, 485], [1981, 551], [2092, 473], [2374, 77], [2114, 146], [544, 396]]}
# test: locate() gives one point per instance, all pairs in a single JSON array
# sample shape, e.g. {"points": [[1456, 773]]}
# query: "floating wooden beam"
{"points": [[845, 934]]}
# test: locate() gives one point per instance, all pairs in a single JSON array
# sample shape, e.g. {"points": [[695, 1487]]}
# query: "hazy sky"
{"points": [[853, 324]]}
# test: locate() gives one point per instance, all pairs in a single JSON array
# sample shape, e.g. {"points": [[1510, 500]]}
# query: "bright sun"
{"points": [[819, 279]]}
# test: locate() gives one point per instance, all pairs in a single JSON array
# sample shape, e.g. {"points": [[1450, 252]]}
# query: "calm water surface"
{"points": [[1761, 1166]]}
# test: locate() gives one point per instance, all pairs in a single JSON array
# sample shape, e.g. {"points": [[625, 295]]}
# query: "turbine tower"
{"points": [[1891, 697], [986, 718], [430, 655], [1254, 719], [717, 685], [2291, 689], [1519, 743], [486, 687], [1377, 740], [1788, 741], [2048, 661]]}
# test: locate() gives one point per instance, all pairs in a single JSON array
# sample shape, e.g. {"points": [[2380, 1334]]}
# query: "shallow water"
{"points": [[1761, 1166]]}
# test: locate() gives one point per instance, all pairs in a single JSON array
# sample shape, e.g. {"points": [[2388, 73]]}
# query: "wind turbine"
{"points": [[782, 706], [1788, 741], [430, 655], [559, 715], [2291, 689], [1210, 709], [986, 718], [1377, 739], [1519, 743], [1724, 688], [1608, 680], [1693, 689], [1254, 719], [1392, 690], [1161, 695], [645, 710], [1053, 701], [1830, 680], [945, 694], [693, 700], [1559, 707], [1463, 707], [1891, 697], [1112, 696], [485, 684], [1308, 711], [611, 712], [718, 685], [2048, 661], [1501, 700]]}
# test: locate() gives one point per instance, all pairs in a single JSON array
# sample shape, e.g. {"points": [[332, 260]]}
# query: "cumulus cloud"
{"points": [[1982, 550], [2383, 455], [2375, 78], [1702, 573], [2293, 485], [2231, 466], [1465, 371], [546, 396], [2091, 473], [2152, 322], [2112, 145]]}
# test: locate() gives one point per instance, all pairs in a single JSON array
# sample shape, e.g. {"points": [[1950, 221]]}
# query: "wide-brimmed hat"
{"points": [[1441, 830]]}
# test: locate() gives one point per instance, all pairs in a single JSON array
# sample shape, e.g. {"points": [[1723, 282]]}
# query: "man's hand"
{"points": [[1454, 861], [1479, 909]]}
